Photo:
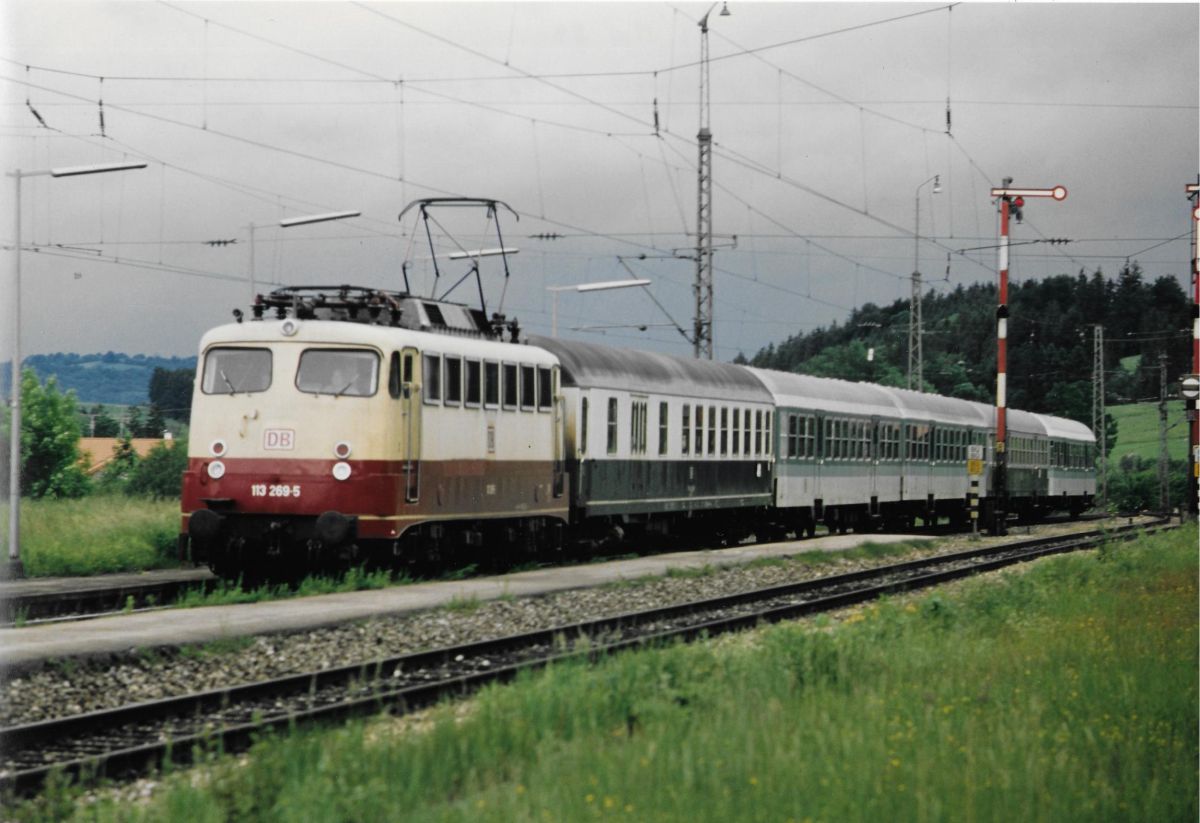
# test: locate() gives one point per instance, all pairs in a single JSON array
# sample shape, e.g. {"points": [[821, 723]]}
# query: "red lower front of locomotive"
{"points": [[240, 513]]}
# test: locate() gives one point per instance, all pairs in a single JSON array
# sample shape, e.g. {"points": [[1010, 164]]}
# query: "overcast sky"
{"points": [[826, 119]]}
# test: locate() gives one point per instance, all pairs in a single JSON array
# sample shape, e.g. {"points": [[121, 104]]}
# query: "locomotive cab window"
{"points": [[340, 372], [236, 371]]}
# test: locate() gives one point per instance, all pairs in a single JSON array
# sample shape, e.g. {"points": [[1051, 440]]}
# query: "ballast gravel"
{"points": [[72, 687]]}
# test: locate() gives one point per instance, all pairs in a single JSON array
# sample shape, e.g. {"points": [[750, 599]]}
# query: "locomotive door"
{"points": [[410, 422]]}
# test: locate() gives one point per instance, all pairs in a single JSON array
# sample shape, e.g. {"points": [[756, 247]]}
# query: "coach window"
{"points": [[491, 384], [510, 385], [662, 427], [545, 393], [583, 424], [724, 430], [699, 438], [453, 380], [637, 425], [236, 371], [612, 424], [474, 373], [746, 434], [768, 445], [686, 428], [712, 430], [528, 383], [735, 434], [758, 431]]}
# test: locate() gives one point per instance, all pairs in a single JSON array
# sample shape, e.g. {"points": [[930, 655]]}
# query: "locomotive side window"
{"points": [[348, 372], [491, 384], [433, 377], [527, 388], [510, 386], [236, 371], [474, 376], [545, 390], [453, 383]]}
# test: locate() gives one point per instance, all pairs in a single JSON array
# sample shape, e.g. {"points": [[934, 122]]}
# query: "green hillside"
{"points": [[1137, 430]]}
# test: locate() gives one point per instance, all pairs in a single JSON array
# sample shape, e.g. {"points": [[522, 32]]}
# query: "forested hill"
{"points": [[1050, 341], [105, 378]]}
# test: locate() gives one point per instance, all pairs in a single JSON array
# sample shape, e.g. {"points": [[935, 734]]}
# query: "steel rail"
{"points": [[462, 669]]}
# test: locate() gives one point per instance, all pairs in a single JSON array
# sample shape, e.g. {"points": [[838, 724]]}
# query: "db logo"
{"points": [[279, 439]]}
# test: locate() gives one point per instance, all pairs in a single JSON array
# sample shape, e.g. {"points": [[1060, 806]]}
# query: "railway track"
{"points": [[132, 740], [84, 598]]}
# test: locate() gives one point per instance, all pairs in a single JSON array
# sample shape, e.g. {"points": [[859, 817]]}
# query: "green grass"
{"points": [[227, 593], [97, 535], [1063, 691], [1137, 430]]}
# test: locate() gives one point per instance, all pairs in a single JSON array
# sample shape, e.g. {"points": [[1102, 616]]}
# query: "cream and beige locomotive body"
{"points": [[315, 443]]}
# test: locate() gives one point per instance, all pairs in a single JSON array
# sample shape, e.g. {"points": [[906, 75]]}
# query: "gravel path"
{"points": [[71, 687]]}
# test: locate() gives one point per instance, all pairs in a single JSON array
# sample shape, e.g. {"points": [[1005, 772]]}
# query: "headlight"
{"points": [[217, 448], [341, 471], [342, 450], [289, 327], [216, 470]]}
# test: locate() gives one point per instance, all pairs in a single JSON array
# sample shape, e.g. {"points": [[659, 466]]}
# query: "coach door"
{"points": [[410, 423]]}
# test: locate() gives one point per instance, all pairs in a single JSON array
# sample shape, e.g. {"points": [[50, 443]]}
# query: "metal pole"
{"points": [[252, 286], [1099, 421], [14, 568], [1000, 469], [1164, 492], [702, 336], [1194, 404]]}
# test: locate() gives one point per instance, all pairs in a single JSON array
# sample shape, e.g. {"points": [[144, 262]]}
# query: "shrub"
{"points": [[160, 473]]}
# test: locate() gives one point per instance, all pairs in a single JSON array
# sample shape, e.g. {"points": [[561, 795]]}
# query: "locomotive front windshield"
{"points": [[338, 372], [236, 371]]}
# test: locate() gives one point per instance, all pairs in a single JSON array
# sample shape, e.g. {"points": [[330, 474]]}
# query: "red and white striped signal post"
{"points": [[1012, 200], [1193, 193]]}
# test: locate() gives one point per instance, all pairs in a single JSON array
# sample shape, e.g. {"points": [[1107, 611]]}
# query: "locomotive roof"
{"points": [[385, 338], [587, 365]]}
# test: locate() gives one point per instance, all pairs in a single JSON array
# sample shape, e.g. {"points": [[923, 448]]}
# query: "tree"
{"points": [[101, 423], [171, 391], [117, 473], [49, 440], [155, 423], [160, 473]]}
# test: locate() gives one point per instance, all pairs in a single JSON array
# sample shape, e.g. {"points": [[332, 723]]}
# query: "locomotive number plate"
{"points": [[279, 439], [274, 490]]}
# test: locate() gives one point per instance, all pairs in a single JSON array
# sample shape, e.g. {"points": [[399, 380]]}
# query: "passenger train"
{"points": [[341, 425]]}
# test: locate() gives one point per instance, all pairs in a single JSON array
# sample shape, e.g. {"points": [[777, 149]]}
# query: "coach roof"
{"points": [[589, 366]]}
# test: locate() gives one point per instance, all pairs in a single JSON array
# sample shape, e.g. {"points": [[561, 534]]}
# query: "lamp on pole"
{"points": [[13, 567], [605, 286], [287, 223], [916, 359], [702, 331]]}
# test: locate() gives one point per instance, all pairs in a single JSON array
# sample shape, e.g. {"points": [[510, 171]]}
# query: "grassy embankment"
{"points": [[97, 535], [1137, 430], [1062, 691]]}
